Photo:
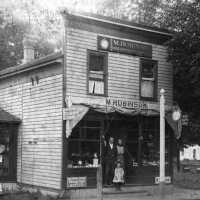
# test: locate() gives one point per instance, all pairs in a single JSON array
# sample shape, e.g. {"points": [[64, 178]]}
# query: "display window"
{"points": [[140, 138], [84, 144], [8, 152]]}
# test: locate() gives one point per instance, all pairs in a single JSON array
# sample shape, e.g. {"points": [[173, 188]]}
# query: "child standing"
{"points": [[118, 179]]}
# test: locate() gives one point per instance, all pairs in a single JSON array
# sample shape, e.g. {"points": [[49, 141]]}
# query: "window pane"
{"points": [[96, 74], [96, 62], [147, 69], [147, 88], [96, 87]]}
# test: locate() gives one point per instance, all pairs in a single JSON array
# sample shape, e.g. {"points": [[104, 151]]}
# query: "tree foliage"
{"points": [[11, 36], [184, 54], [27, 19]]}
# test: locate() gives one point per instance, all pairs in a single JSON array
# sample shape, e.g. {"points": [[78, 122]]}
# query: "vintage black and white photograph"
{"points": [[99, 100]]}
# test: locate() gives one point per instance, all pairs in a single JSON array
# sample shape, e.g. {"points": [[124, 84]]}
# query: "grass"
{"points": [[188, 178]]}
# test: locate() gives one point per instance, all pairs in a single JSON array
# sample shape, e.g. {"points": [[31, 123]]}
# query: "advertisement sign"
{"points": [[124, 46], [76, 182]]}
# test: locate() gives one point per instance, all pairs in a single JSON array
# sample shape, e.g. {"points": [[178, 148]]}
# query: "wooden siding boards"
{"points": [[39, 106], [123, 70]]}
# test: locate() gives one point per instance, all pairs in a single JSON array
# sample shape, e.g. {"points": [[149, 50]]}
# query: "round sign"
{"points": [[104, 44], [176, 115]]}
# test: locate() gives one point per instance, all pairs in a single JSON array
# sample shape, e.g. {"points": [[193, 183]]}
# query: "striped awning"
{"points": [[76, 112]]}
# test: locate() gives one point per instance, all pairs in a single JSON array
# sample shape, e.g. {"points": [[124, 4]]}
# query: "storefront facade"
{"points": [[114, 72]]}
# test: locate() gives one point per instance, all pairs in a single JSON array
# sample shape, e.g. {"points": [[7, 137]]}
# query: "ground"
{"points": [[185, 187], [176, 193]]}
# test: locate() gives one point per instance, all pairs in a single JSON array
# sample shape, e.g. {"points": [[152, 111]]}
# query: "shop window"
{"points": [[97, 67], [84, 144], [150, 143], [148, 80], [7, 152]]}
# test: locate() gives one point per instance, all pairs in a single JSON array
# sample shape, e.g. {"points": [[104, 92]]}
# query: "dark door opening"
{"points": [[8, 151]]}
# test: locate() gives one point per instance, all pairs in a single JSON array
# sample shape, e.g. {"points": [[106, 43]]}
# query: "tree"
{"points": [[27, 19], [184, 54], [148, 12], [11, 36]]}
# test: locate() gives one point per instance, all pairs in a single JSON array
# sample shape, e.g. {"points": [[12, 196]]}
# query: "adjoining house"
{"points": [[106, 82], [190, 152]]}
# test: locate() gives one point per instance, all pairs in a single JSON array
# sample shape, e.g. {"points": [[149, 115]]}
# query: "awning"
{"points": [[76, 112], [7, 117]]}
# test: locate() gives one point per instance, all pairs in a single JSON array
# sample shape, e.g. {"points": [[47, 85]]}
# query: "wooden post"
{"points": [[99, 183], [162, 141]]}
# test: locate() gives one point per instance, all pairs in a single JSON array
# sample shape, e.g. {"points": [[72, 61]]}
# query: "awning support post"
{"points": [[162, 141]]}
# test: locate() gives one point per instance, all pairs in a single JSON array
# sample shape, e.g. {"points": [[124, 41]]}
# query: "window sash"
{"points": [[148, 82], [97, 78], [147, 89]]}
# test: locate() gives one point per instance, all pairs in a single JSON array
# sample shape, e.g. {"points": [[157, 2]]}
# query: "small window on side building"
{"points": [[97, 67], [148, 80]]}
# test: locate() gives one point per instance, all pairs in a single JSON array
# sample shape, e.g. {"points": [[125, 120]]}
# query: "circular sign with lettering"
{"points": [[104, 44], [176, 115]]}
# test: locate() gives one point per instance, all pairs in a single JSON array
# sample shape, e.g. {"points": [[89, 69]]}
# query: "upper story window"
{"points": [[97, 68], [148, 80]]}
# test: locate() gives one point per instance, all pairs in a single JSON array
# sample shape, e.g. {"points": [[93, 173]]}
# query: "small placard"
{"points": [[74, 182], [167, 179]]}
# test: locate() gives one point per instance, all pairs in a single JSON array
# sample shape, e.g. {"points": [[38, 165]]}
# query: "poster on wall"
{"points": [[76, 182]]}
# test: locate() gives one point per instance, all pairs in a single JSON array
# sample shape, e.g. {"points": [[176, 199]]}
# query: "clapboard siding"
{"points": [[39, 106], [123, 70], [165, 72]]}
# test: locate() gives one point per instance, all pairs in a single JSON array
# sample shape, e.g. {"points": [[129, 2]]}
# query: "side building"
{"points": [[32, 92]]}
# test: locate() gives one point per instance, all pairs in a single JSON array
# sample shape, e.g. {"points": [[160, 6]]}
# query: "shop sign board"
{"points": [[118, 102], [124, 46], [136, 105], [76, 182]]}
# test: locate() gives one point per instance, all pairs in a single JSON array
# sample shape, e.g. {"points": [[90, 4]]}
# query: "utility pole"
{"points": [[162, 141]]}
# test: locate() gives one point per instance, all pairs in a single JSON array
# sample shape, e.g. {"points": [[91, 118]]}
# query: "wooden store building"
{"points": [[55, 110]]}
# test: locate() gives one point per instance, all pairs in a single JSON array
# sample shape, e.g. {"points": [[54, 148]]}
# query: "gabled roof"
{"points": [[44, 61]]}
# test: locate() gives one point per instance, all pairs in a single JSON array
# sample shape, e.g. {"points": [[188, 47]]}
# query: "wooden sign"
{"points": [[76, 182], [167, 180], [124, 46], [136, 105]]}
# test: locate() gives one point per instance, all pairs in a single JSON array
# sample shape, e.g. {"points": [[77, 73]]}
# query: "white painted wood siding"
{"points": [[39, 106], [123, 70]]}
